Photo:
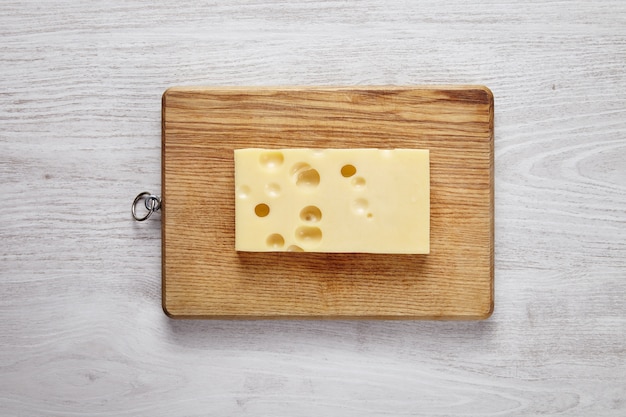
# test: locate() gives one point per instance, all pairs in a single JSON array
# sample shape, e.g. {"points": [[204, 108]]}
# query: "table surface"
{"points": [[82, 330]]}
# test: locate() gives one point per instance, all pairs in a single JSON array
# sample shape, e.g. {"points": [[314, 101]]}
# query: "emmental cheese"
{"points": [[332, 200]]}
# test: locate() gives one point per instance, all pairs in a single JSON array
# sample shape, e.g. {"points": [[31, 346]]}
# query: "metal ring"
{"points": [[152, 203], [145, 195]]}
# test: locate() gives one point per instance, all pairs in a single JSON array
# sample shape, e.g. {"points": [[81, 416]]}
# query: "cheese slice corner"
{"points": [[332, 200]]}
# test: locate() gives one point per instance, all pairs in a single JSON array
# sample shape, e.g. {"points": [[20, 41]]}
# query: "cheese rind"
{"points": [[332, 200]]}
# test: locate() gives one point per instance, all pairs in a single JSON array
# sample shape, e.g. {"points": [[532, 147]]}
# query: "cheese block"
{"points": [[332, 200]]}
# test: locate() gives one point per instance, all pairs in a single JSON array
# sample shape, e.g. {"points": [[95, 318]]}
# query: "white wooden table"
{"points": [[82, 331]]}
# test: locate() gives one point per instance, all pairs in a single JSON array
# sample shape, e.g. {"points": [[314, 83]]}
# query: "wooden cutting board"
{"points": [[203, 275]]}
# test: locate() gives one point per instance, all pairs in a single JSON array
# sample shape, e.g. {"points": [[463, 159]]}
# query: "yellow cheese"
{"points": [[332, 200]]}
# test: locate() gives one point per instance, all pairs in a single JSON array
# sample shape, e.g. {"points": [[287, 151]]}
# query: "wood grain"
{"points": [[82, 330], [203, 275]]}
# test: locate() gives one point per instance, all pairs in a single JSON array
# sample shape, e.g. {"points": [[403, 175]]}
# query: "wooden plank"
{"points": [[203, 275]]}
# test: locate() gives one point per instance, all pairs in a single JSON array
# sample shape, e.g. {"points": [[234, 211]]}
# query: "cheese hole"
{"points": [[271, 160], [358, 182], [295, 248], [359, 206], [311, 214], [309, 178], [305, 176], [275, 241], [348, 170], [262, 210], [369, 215], [308, 235], [272, 189], [243, 191]]}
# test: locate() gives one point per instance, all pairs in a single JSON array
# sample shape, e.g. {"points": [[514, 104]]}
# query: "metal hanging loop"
{"points": [[152, 203]]}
